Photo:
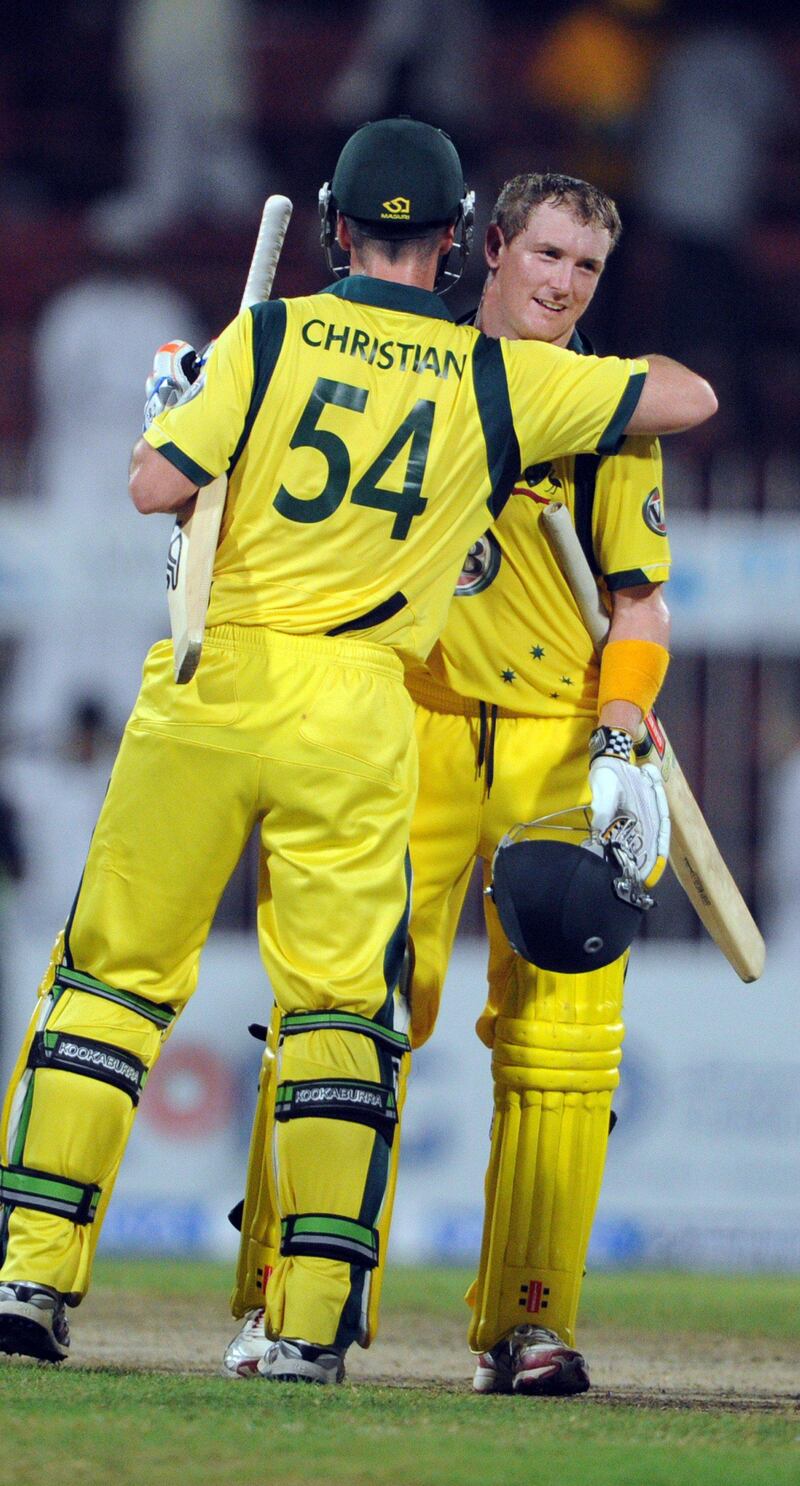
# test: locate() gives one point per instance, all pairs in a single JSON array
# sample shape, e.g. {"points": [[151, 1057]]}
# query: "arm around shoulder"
{"points": [[673, 399]]}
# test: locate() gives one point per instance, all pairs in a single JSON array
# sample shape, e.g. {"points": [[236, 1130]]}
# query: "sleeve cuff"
{"points": [[611, 440], [636, 578], [182, 462]]}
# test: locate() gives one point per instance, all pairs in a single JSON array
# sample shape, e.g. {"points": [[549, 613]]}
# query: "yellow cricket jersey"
{"points": [[514, 637], [367, 441]]}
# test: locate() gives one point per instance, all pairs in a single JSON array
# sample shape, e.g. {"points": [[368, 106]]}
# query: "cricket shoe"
{"points": [[542, 1364], [531, 1360], [493, 1370], [33, 1322], [250, 1344], [295, 1361]]}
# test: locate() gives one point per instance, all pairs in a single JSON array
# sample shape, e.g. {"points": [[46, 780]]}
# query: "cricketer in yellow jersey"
{"points": [[362, 460], [505, 706]]}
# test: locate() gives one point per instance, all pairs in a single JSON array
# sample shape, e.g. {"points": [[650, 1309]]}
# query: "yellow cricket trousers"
{"points": [[555, 1039], [312, 738]]}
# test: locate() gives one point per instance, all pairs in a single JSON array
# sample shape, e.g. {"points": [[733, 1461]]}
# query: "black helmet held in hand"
{"points": [[564, 907]]}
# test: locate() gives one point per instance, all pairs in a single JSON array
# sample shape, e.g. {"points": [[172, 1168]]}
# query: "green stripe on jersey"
{"points": [[586, 467], [269, 331], [615, 432], [494, 409]]}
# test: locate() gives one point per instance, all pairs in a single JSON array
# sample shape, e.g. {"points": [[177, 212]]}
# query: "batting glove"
{"points": [[176, 369], [629, 806]]}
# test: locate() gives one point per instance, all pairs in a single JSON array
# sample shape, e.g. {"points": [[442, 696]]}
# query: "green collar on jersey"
{"points": [[387, 295], [577, 342], [580, 343]]}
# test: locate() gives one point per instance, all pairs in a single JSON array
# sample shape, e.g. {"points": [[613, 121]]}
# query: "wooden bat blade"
{"points": [[699, 864], [700, 869], [694, 855], [189, 582], [193, 546]]}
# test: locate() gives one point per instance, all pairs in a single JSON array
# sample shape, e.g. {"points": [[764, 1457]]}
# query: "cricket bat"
{"points": [[694, 855], [193, 544]]}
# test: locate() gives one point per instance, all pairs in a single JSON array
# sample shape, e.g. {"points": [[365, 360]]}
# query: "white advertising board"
{"points": [[733, 578], [703, 1167]]}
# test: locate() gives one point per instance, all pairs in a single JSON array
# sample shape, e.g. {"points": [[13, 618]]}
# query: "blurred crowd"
{"points": [[137, 141]]}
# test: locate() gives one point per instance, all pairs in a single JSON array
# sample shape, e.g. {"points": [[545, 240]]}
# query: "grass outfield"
{"points": [[137, 1428]]}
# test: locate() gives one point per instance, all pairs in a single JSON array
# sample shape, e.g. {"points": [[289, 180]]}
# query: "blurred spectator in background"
{"points": [[99, 581], [190, 148], [12, 867], [58, 792], [587, 81], [589, 78], [59, 119], [422, 57], [12, 856], [719, 97]]}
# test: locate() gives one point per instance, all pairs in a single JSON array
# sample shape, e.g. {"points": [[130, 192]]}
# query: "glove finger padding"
{"points": [[176, 369], [630, 812]]}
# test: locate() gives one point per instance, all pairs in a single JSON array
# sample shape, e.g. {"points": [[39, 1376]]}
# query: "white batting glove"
{"points": [[176, 369], [629, 806]]}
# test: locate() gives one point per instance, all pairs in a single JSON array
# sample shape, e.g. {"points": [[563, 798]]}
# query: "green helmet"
{"points": [[397, 178]]}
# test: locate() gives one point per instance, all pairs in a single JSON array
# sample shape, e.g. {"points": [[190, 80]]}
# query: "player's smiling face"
{"points": [[545, 278]]}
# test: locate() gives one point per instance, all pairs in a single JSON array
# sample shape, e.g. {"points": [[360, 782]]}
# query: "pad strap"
{"points": [[328, 1236], [340, 1099], [296, 1022], [100, 1060], [23, 1186], [76, 980]]}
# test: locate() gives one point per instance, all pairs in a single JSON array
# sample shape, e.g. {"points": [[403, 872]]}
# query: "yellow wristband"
{"points": [[632, 671]]}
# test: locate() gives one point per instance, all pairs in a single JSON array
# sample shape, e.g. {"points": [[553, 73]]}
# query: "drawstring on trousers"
{"points": [[486, 737]]}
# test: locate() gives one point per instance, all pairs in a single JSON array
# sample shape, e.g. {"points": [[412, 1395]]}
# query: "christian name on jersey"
{"points": [[404, 356]]}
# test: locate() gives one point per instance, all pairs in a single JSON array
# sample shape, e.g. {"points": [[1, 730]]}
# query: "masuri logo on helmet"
{"points": [[399, 209]]}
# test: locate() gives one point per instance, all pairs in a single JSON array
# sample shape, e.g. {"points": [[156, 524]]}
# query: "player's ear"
{"points": [[494, 244], [343, 237]]}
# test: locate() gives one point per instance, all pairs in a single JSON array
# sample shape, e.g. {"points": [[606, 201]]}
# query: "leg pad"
{"points": [[553, 1086], [338, 1097], [66, 1121]]}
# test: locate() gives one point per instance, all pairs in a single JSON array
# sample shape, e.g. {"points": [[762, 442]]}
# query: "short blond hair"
{"points": [[523, 193]]}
